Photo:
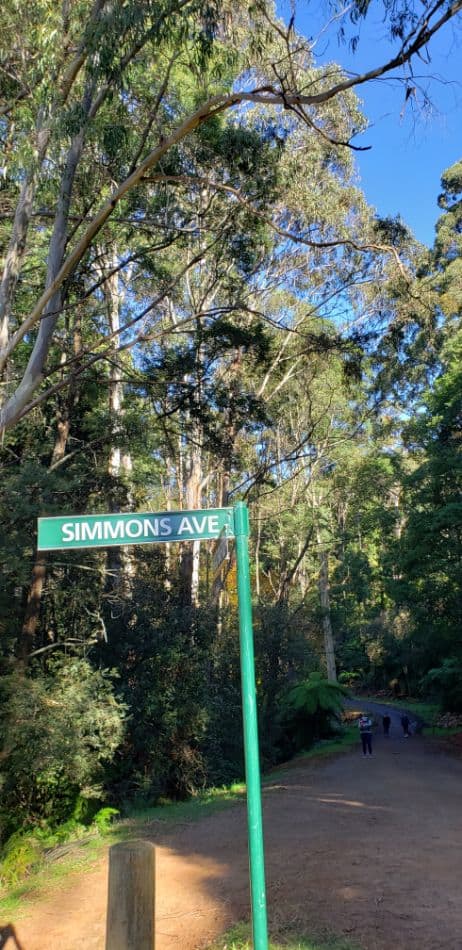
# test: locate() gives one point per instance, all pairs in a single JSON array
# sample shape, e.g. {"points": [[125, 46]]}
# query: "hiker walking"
{"points": [[386, 722], [405, 725], [365, 731]]}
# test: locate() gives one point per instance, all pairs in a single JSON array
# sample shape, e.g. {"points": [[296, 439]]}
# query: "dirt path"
{"points": [[369, 848]]}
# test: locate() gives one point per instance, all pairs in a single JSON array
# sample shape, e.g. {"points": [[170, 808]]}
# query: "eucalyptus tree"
{"points": [[217, 348], [410, 483], [447, 251], [74, 103], [426, 582], [319, 413], [424, 305]]}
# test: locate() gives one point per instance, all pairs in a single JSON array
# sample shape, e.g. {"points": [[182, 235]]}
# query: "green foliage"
{"points": [[445, 683], [18, 857], [58, 730], [311, 710], [24, 852], [104, 819], [448, 243], [349, 678], [166, 653], [429, 551], [316, 694], [239, 938]]}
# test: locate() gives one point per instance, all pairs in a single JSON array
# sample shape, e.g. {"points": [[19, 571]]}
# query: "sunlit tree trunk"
{"points": [[119, 562], [190, 554], [324, 597]]}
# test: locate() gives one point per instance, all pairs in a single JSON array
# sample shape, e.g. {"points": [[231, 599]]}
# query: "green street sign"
{"points": [[97, 531]]}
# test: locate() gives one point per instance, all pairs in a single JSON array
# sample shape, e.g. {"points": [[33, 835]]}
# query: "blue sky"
{"points": [[410, 147]]}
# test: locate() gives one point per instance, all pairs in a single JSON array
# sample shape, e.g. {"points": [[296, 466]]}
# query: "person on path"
{"points": [[365, 731], [386, 722], [405, 725]]}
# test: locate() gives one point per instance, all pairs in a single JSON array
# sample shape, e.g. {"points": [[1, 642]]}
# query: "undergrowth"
{"points": [[239, 938], [37, 862], [33, 861]]}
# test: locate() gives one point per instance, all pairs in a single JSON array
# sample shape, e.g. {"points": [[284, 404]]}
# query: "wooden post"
{"points": [[131, 896]]}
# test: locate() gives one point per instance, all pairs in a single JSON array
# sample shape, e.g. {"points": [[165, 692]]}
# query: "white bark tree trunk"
{"points": [[191, 554], [120, 563], [324, 596]]}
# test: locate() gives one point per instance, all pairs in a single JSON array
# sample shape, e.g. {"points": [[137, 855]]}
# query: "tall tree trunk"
{"points": [[257, 553], [24, 208], [52, 311], [218, 594], [190, 555], [18, 241], [23, 215], [13, 259], [119, 562], [27, 637], [28, 634], [324, 597]]}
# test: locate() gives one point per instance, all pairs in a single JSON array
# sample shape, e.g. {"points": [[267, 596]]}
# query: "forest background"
{"points": [[198, 306]]}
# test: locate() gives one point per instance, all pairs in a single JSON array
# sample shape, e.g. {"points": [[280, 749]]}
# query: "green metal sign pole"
{"points": [[249, 711]]}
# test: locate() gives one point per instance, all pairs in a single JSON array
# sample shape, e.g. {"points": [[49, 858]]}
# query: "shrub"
{"points": [[445, 684], [58, 728], [20, 853], [104, 819], [310, 709]]}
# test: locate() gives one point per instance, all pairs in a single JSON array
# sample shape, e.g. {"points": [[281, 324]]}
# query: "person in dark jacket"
{"points": [[405, 725], [365, 731], [386, 722]]}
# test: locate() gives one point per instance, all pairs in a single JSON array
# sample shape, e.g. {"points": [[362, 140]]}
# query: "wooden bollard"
{"points": [[131, 896]]}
